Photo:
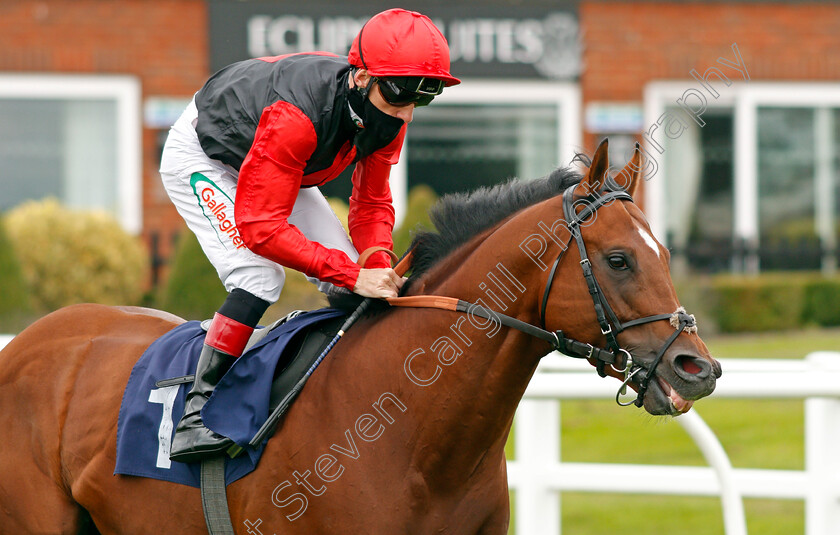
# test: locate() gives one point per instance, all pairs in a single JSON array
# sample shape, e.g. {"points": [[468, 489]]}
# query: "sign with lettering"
{"points": [[484, 41]]}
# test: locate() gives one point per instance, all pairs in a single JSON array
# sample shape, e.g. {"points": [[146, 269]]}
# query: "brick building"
{"points": [[737, 104], [68, 63]]}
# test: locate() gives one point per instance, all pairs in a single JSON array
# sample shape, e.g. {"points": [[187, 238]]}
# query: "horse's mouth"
{"points": [[665, 399]]}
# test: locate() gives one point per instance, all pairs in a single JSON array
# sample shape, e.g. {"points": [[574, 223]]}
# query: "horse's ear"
{"points": [[599, 168], [630, 177]]}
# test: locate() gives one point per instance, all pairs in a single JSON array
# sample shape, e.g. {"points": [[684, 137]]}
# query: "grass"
{"points": [[755, 434]]}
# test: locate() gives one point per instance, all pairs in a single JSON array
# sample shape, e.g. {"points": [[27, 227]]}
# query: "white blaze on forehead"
{"points": [[649, 240]]}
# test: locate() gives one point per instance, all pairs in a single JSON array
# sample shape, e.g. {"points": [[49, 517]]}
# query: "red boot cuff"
{"points": [[227, 335]]}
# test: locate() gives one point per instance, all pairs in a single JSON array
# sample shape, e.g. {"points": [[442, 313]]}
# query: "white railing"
{"points": [[538, 476]]}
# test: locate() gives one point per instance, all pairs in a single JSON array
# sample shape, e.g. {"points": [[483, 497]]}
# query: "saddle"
{"points": [[291, 370], [297, 357]]}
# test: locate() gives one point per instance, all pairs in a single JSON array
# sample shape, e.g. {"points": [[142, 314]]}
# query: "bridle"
{"points": [[607, 319], [617, 358]]}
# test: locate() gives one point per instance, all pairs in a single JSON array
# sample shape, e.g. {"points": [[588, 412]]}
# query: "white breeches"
{"points": [[203, 190]]}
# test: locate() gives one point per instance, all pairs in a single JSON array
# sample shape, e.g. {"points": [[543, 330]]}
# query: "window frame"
{"points": [[126, 93], [566, 96], [744, 98], [657, 97], [813, 95]]}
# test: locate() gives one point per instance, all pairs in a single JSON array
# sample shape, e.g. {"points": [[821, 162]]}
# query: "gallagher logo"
{"points": [[218, 209]]}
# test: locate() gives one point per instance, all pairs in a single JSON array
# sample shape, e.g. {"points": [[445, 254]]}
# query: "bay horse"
{"points": [[403, 426]]}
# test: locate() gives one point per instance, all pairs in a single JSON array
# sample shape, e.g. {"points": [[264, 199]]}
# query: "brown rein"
{"points": [[607, 320], [556, 340]]}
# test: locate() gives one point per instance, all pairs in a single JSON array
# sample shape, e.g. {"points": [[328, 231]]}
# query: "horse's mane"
{"points": [[458, 217]]}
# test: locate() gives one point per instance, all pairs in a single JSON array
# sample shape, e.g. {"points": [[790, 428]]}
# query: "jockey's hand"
{"points": [[380, 283]]}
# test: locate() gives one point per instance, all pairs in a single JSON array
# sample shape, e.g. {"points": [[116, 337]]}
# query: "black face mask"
{"points": [[376, 128]]}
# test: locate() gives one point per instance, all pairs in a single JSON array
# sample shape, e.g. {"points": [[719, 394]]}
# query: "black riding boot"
{"points": [[194, 442]]}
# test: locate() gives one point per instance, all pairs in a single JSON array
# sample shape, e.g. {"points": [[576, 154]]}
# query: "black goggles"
{"points": [[405, 90]]}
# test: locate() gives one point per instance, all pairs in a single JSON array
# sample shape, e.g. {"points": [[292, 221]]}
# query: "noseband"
{"points": [[617, 358]]}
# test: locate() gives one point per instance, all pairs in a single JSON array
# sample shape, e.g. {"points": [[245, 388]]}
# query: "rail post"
{"points": [[822, 461], [537, 503]]}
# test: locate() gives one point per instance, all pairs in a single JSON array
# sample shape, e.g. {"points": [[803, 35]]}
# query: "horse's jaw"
{"points": [[678, 405]]}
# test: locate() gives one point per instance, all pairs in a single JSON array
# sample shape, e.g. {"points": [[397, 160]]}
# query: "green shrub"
{"points": [[70, 256], [193, 289], [822, 302], [420, 199], [696, 296], [14, 296], [765, 303], [770, 301]]}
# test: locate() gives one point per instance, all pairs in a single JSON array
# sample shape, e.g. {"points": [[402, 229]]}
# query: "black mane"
{"points": [[459, 217]]}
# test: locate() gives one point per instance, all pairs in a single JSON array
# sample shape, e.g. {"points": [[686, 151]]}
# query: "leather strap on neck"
{"points": [[363, 258], [425, 301], [403, 265]]}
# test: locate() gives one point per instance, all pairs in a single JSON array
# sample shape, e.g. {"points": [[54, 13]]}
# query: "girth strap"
{"points": [[214, 496]]}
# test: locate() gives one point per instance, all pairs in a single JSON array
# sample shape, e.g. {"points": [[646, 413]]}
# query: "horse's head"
{"points": [[630, 281]]}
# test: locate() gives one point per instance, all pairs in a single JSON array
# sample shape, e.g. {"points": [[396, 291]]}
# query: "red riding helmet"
{"points": [[397, 42]]}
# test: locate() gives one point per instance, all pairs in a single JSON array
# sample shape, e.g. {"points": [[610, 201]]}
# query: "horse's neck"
{"points": [[471, 404]]}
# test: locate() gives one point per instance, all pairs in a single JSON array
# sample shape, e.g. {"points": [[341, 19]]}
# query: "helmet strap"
{"points": [[356, 87], [362, 90], [362, 54]]}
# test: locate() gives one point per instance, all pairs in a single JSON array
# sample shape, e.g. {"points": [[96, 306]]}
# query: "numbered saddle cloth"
{"points": [[238, 407]]}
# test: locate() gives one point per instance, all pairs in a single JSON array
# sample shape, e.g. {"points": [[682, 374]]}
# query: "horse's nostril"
{"points": [[692, 366]]}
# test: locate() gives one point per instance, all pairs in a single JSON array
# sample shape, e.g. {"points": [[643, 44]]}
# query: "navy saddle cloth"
{"points": [[237, 408]]}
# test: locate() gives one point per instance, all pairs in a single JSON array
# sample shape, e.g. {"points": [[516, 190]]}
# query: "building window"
{"points": [[698, 176], [756, 186], [482, 133], [76, 138]]}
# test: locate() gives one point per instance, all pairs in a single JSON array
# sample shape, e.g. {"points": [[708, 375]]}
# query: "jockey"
{"points": [[242, 166]]}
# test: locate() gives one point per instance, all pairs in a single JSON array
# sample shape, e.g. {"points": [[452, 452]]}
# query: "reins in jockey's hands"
{"points": [[379, 282]]}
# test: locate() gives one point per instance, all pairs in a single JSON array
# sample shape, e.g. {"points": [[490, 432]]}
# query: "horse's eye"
{"points": [[617, 261]]}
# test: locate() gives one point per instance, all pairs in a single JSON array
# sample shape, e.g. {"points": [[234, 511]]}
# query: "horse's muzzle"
{"points": [[691, 368]]}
